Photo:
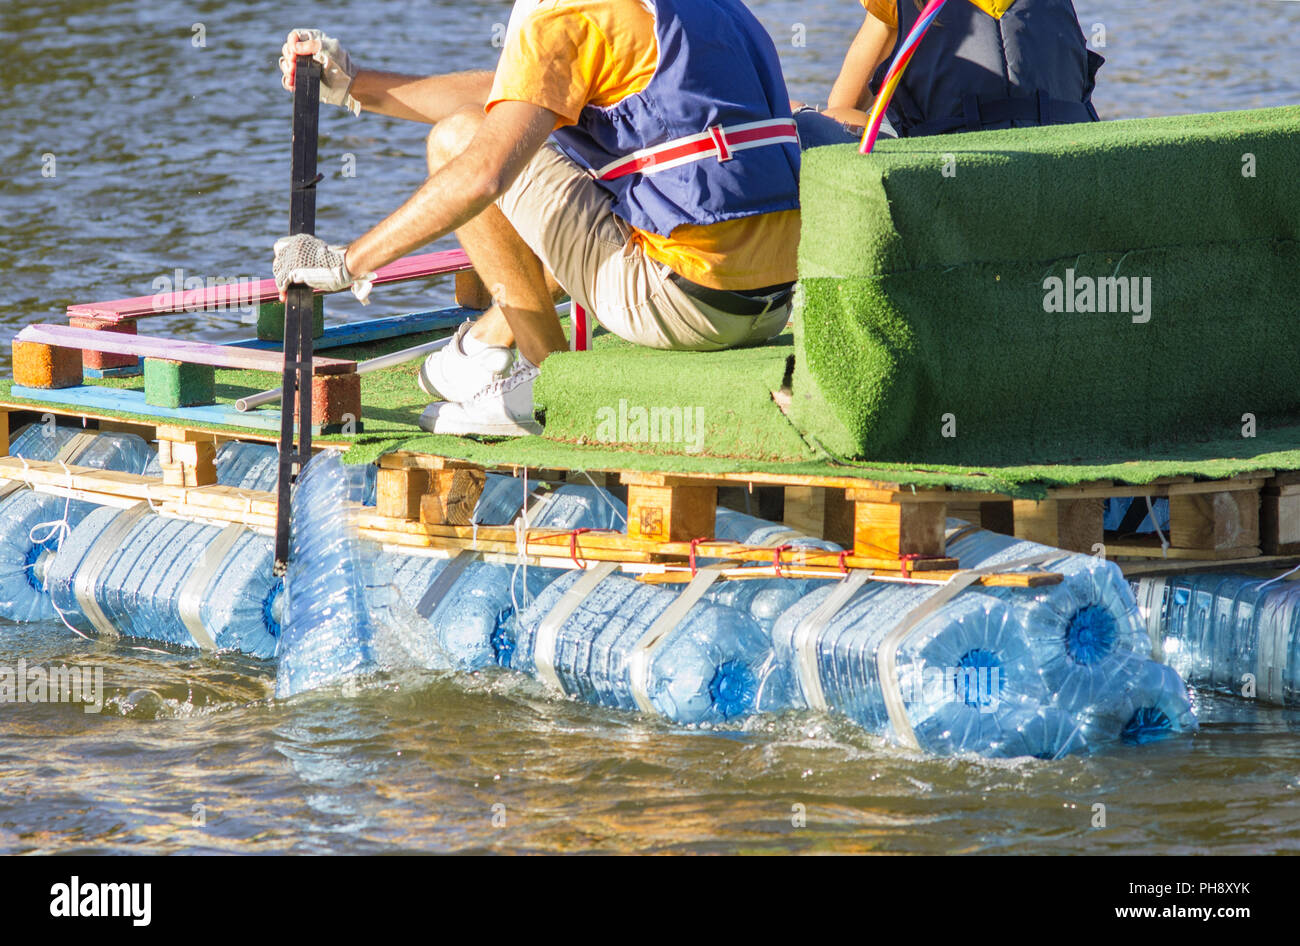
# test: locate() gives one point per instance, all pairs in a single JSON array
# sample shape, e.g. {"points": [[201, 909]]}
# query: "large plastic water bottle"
{"points": [[1087, 636], [706, 669], [328, 628], [966, 676], [1233, 633], [168, 580], [257, 466], [457, 629], [36, 523]]}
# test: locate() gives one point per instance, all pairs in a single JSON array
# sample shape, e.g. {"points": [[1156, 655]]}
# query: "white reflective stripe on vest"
{"points": [[717, 142]]}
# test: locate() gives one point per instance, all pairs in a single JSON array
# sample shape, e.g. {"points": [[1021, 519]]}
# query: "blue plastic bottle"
{"points": [[36, 523], [966, 675], [707, 669], [168, 580], [1233, 633]]}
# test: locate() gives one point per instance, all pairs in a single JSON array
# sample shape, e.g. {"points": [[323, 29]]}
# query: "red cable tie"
{"points": [[776, 558], [905, 560], [844, 569], [573, 546], [694, 544]]}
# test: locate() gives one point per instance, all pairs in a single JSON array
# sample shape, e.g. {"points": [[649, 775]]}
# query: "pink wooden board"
{"points": [[195, 353], [230, 296]]}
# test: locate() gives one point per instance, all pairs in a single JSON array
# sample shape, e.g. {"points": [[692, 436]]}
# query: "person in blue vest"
{"points": [[638, 155], [971, 72]]}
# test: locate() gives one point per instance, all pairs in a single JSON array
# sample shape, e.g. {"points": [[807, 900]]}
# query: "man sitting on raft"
{"points": [[638, 155], [971, 72]]}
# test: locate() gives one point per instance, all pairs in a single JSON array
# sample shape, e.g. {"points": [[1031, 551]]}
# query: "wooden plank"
{"points": [[1074, 525], [398, 492], [671, 513], [1279, 522], [408, 460], [1138, 568], [232, 296], [1142, 548], [173, 349], [452, 496], [892, 530], [1218, 520], [4, 433], [92, 398]]}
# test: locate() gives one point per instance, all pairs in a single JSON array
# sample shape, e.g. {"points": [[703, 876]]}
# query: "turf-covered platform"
{"points": [[1043, 294]]}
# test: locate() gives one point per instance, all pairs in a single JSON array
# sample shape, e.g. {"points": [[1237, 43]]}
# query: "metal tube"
{"points": [[374, 364]]}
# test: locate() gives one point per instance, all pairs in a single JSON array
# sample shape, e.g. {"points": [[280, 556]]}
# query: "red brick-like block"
{"points": [[99, 359], [46, 366], [335, 399]]}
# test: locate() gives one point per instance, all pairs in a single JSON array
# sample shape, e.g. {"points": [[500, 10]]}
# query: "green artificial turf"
{"points": [[922, 289]]}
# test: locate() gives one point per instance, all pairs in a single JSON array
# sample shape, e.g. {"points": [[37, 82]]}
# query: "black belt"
{"points": [[743, 302]]}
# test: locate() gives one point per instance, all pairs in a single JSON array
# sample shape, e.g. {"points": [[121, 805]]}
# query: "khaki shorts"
{"points": [[558, 209]]}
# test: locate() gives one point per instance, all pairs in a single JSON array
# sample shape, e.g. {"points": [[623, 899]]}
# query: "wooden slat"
{"points": [[420, 266], [174, 349]]}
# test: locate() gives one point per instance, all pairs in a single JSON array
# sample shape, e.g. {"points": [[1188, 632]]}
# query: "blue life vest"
{"points": [[972, 72], [717, 67]]}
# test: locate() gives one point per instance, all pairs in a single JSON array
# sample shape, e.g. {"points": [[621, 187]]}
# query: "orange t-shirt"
{"points": [[886, 11], [566, 54]]}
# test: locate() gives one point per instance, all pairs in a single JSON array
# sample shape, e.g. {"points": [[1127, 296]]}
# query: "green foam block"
{"points": [[961, 298], [270, 319], [175, 384]]}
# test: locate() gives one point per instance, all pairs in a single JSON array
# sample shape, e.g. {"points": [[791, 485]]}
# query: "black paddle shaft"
{"points": [[296, 382]]}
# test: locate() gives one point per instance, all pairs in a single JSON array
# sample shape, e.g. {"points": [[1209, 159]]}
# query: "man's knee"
{"points": [[452, 135]]}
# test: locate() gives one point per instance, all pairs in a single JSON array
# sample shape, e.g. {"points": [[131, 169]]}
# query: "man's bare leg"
{"points": [[523, 309]]}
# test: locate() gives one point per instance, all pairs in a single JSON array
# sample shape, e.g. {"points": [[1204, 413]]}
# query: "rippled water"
{"points": [[168, 155]]}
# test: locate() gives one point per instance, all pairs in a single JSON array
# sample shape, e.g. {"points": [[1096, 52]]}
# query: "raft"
{"points": [[903, 510]]}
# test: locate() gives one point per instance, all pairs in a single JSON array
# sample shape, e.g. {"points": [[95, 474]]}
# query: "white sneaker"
{"points": [[504, 408], [452, 375]]}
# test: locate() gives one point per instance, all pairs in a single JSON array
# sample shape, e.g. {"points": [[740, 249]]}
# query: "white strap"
{"points": [[782, 538], [450, 573], [74, 447], [1271, 660], [548, 630], [1150, 596], [189, 602], [887, 653], [643, 653], [806, 636], [97, 556]]}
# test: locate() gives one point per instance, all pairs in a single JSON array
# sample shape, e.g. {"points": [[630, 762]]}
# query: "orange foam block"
{"points": [[37, 365]]}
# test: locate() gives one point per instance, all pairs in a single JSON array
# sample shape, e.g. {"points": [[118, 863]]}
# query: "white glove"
{"points": [[307, 259], [337, 68]]}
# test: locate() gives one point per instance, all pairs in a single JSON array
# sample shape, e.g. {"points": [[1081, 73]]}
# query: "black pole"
{"points": [[296, 381]]}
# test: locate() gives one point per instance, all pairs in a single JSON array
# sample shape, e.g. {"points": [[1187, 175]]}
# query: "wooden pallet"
{"points": [[661, 559]]}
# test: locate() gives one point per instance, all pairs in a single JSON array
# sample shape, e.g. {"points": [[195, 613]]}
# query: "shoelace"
{"points": [[515, 378]]}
